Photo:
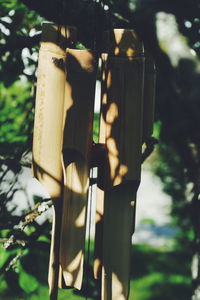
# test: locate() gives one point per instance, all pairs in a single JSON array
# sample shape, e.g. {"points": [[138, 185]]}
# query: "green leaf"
{"points": [[156, 129], [79, 46], [28, 282], [4, 255], [43, 238]]}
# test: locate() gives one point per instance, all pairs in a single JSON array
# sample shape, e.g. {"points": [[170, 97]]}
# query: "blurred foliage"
{"points": [[19, 27], [159, 274], [19, 44], [27, 279], [16, 118]]}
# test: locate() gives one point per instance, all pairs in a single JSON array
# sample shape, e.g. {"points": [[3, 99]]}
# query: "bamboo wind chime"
{"points": [[63, 151]]}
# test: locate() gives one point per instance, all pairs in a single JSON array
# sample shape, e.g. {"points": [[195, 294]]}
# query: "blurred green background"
{"points": [[156, 273]]}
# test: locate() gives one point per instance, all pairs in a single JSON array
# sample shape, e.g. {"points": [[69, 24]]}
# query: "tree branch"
{"points": [[28, 218], [39, 209]]}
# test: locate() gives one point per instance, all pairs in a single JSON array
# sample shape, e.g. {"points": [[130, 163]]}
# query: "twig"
{"points": [[28, 218], [12, 241], [12, 264], [39, 209]]}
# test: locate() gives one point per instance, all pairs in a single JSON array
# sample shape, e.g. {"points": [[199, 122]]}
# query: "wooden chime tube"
{"points": [[149, 97], [77, 143], [122, 128], [48, 130], [100, 187]]}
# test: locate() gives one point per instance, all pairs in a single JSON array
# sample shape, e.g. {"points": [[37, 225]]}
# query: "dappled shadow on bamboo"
{"points": [[72, 159], [119, 173], [70, 190], [114, 112], [64, 36], [70, 228], [119, 176], [73, 121], [169, 101], [77, 143]]}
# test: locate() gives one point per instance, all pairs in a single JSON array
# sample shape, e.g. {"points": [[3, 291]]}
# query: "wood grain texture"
{"points": [[79, 105], [117, 233], [98, 247], [122, 129], [48, 130], [48, 126]]}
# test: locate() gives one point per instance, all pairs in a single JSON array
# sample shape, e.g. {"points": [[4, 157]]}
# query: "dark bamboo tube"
{"points": [[122, 128]]}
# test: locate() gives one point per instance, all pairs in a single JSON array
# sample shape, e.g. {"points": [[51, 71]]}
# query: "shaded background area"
{"points": [[168, 269]]}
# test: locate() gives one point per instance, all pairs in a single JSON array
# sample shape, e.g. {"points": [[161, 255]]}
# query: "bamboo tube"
{"points": [[123, 141], [98, 234], [47, 140], [100, 192], [79, 105], [117, 233], [149, 97], [48, 130]]}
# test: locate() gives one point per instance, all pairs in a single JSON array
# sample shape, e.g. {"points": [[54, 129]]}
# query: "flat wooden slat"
{"points": [[118, 226], [98, 247], [124, 121], [79, 104], [48, 126], [48, 131]]}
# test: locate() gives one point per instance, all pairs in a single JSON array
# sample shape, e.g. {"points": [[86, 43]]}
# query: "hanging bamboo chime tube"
{"points": [[77, 144], [121, 129], [100, 187], [62, 147], [48, 129]]}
